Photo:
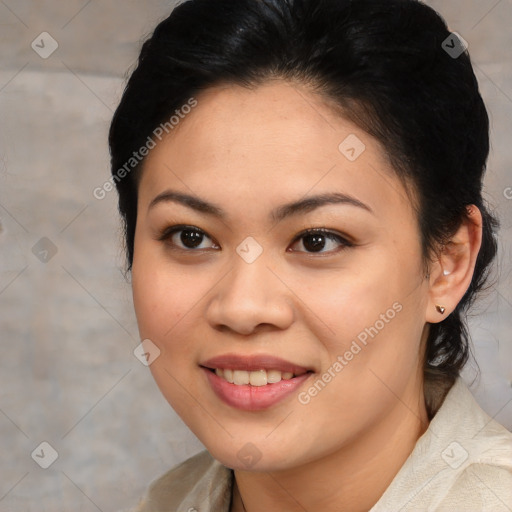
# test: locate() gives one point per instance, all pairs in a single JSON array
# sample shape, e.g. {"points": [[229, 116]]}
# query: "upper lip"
{"points": [[253, 363]]}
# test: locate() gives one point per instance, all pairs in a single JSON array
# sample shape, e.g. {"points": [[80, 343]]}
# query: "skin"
{"points": [[249, 152]]}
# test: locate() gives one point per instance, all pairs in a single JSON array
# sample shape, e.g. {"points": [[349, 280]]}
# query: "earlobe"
{"points": [[440, 309], [453, 271]]}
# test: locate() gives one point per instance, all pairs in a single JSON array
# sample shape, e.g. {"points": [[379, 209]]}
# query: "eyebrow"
{"points": [[278, 214]]}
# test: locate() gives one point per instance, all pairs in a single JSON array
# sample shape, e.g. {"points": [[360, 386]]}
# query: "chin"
{"points": [[247, 455]]}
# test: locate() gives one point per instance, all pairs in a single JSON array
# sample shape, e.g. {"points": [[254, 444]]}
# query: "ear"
{"points": [[452, 271]]}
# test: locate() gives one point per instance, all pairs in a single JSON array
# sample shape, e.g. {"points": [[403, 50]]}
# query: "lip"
{"points": [[253, 398], [253, 363]]}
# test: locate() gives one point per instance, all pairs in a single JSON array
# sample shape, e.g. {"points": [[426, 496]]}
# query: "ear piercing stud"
{"points": [[440, 309]]}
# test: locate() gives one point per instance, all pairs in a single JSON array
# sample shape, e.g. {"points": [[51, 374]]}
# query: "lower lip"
{"points": [[253, 398]]}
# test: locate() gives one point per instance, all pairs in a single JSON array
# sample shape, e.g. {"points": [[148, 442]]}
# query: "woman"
{"points": [[300, 182]]}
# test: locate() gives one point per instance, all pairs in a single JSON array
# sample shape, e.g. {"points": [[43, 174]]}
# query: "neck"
{"points": [[354, 477]]}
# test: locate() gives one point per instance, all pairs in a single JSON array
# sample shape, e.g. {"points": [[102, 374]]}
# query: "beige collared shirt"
{"points": [[463, 462]]}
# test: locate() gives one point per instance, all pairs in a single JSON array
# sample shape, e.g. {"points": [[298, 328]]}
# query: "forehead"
{"points": [[266, 145]]}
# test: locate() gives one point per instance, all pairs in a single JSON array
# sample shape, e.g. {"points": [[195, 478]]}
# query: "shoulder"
{"points": [[462, 462], [481, 462], [482, 486], [198, 484]]}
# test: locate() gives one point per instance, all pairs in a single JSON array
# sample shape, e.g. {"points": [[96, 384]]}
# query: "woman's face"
{"points": [[225, 277]]}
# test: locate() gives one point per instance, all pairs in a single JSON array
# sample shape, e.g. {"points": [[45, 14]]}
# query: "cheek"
{"points": [[374, 315], [354, 299], [164, 300], [162, 296]]}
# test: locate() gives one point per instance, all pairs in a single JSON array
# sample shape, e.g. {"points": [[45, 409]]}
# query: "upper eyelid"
{"points": [[175, 228], [323, 231], [329, 233]]}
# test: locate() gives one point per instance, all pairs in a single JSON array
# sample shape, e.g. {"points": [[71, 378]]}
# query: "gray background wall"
{"points": [[68, 376]]}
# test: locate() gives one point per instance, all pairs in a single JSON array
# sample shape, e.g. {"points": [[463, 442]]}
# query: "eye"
{"points": [[190, 238], [320, 241], [186, 238]]}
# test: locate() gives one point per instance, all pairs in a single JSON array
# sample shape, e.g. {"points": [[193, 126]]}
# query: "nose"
{"points": [[251, 297]]}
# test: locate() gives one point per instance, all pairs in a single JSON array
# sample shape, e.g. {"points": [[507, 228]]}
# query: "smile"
{"points": [[253, 382], [254, 378]]}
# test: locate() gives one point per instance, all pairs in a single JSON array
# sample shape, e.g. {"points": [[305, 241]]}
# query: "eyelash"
{"points": [[167, 233]]}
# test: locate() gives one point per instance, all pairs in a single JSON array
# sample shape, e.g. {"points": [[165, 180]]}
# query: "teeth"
{"points": [[240, 377], [254, 378], [273, 376], [258, 378]]}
